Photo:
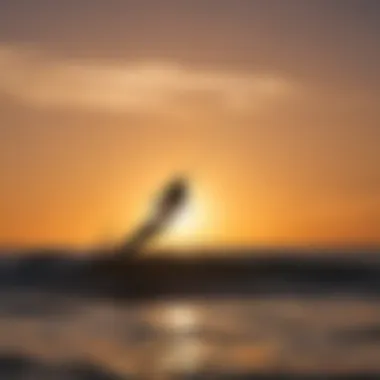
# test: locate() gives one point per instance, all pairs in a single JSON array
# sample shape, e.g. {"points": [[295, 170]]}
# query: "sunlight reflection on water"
{"points": [[158, 340], [179, 346]]}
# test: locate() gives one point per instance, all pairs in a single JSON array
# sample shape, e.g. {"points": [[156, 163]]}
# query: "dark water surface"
{"points": [[49, 335]]}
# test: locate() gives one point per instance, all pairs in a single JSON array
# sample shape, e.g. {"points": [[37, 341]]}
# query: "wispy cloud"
{"points": [[39, 80]]}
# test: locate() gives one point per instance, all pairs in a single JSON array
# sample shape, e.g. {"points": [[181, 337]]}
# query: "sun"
{"points": [[192, 224]]}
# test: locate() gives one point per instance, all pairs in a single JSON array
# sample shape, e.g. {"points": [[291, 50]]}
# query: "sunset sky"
{"points": [[270, 108]]}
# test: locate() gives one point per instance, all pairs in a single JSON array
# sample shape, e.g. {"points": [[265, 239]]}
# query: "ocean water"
{"points": [[46, 335]]}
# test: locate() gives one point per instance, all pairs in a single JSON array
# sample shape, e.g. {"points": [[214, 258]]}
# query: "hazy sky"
{"points": [[270, 107]]}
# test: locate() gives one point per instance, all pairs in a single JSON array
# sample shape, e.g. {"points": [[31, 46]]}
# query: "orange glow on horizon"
{"points": [[91, 142]]}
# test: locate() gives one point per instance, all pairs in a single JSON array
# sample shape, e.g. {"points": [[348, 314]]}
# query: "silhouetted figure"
{"points": [[169, 203]]}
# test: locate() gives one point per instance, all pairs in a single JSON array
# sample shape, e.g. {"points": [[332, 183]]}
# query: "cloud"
{"points": [[38, 80]]}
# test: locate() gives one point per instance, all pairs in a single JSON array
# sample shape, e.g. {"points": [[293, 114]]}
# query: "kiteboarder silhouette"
{"points": [[170, 201]]}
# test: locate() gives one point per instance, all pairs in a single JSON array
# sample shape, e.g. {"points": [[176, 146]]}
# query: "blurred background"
{"points": [[269, 109]]}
